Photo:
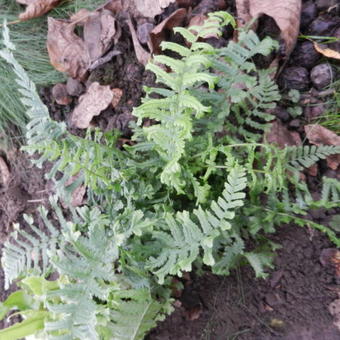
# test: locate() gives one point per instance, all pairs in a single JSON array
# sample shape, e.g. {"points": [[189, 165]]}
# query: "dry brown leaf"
{"points": [[4, 172], [99, 33], [81, 16], [327, 52], [281, 136], [139, 8], [66, 50], [141, 55], [117, 95], [36, 8], [285, 13], [92, 103], [151, 8], [319, 135], [158, 34]]}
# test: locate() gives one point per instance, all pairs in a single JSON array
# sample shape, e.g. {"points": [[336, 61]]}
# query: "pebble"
{"points": [[321, 75], [308, 14], [305, 55], [143, 32], [323, 25], [281, 113], [60, 94], [295, 77], [74, 87], [295, 123]]}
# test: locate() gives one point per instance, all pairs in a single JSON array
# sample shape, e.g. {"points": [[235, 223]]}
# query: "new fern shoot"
{"points": [[196, 185]]}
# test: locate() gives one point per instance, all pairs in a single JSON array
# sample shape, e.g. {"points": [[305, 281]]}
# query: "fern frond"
{"points": [[177, 107], [301, 157], [27, 252], [134, 313], [188, 234]]}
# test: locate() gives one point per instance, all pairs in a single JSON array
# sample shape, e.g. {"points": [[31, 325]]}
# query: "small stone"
{"points": [[143, 32], [305, 55], [295, 123], [295, 77], [314, 111], [282, 114], [325, 4], [60, 94], [323, 25], [321, 75], [308, 14], [74, 87]]}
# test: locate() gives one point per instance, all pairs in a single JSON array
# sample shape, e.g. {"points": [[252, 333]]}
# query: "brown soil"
{"points": [[291, 304]]}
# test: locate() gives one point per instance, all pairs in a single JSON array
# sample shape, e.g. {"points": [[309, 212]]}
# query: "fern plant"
{"points": [[196, 185]]}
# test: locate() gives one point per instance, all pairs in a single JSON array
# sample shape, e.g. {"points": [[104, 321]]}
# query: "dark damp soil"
{"points": [[293, 302]]}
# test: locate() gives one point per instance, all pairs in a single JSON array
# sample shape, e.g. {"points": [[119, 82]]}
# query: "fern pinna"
{"points": [[177, 106]]}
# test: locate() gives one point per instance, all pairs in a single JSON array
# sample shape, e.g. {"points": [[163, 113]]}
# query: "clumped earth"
{"points": [[294, 301]]}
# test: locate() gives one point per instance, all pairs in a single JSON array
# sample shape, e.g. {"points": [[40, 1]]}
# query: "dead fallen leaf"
{"points": [[319, 135], [66, 50], [117, 95], [281, 136], [151, 8], [4, 172], [99, 33], [327, 52], [81, 16], [95, 100], [139, 8], [158, 34], [141, 55], [285, 13], [36, 8]]}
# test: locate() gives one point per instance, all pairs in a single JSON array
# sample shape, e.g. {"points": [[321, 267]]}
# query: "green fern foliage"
{"points": [[301, 157], [177, 107], [27, 252], [181, 246], [134, 314]]}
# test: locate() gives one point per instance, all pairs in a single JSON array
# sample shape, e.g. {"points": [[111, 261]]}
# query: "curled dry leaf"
{"points": [[281, 136], [68, 53], [117, 95], [36, 8], [139, 8], [327, 52], [95, 100], [4, 173], [151, 8], [158, 34], [99, 33], [141, 55], [319, 135], [285, 13]]}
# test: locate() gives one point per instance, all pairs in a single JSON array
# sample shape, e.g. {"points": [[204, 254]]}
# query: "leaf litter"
{"points": [[36, 8], [96, 99]]}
